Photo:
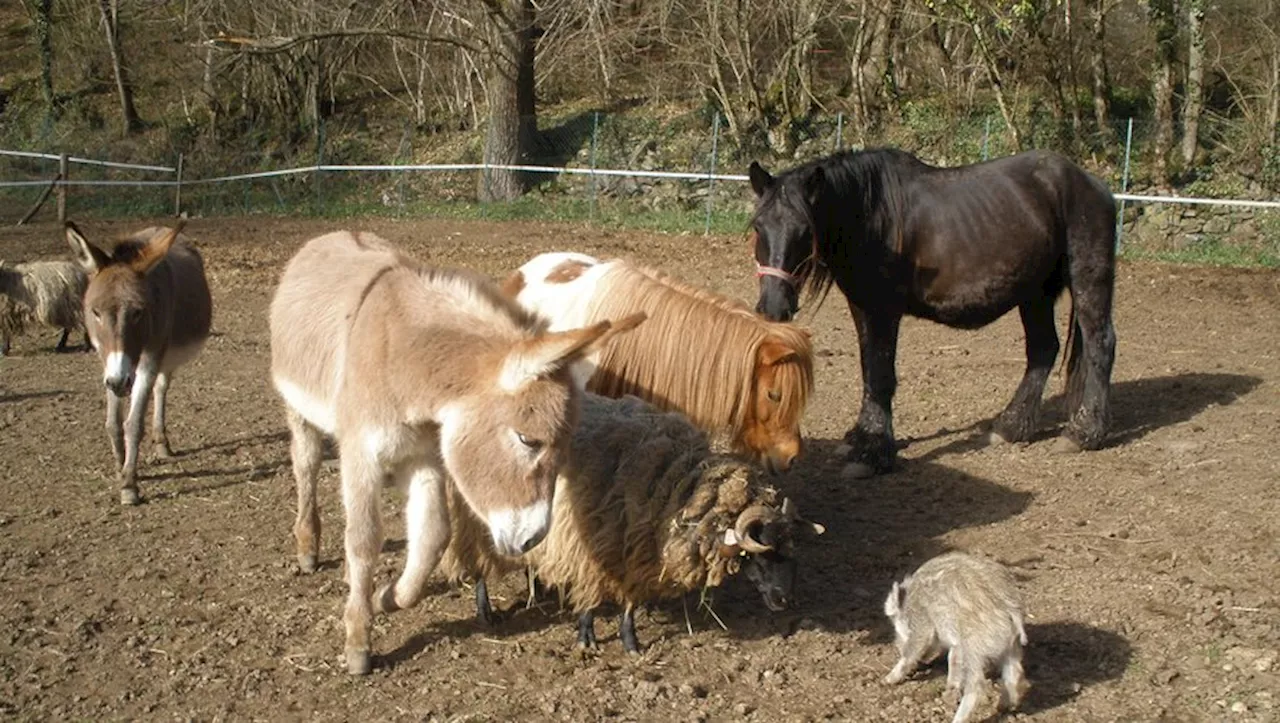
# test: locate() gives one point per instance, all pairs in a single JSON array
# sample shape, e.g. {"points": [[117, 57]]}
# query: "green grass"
{"points": [[1210, 252]]}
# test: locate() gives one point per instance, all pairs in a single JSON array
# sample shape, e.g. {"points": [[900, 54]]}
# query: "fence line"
{"points": [[88, 161], [458, 167]]}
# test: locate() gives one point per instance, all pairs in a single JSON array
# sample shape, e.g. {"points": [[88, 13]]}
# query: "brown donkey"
{"points": [[422, 376], [147, 310]]}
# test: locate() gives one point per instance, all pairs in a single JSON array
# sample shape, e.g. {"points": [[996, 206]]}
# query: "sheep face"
{"points": [[774, 576], [762, 537]]}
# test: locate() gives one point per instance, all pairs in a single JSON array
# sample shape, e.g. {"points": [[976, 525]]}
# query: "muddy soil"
{"points": [[1151, 568]]}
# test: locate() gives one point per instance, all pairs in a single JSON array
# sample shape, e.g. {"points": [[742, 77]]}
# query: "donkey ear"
{"points": [[775, 352], [91, 258], [761, 181], [553, 351], [157, 247]]}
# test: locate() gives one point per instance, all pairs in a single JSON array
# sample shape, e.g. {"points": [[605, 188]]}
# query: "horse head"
{"points": [[781, 383], [117, 308], [505, 444], [785, 236]]}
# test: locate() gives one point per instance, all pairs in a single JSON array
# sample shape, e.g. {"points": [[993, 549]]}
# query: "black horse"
{"points": [[960, 246]]}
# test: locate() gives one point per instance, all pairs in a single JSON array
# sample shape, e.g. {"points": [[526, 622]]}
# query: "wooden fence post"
{"points": [[62, 188], [177, 194]]}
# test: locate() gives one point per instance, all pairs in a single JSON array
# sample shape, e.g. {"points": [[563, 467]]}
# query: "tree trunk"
{"points": [[1194, 103], [1273, 108], [110, 20], [1098, 71], [42, 19], [513, 124], [1165, 26], [997, 82]]}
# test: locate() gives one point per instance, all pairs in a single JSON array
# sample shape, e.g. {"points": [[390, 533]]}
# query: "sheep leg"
{"points": [[426, 523], [587, 630], [306, 450], [134, 427], [362, 502], [158, 431], [484, 610], [88, 343], [62, 343], [627, 630], [5, 344]]}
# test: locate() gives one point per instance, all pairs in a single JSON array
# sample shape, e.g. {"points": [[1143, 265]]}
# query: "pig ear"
{"points": [[892, 604]]}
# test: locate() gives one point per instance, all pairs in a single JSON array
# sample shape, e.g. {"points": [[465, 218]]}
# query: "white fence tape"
{"points": [[88, 161], [457, 167]]}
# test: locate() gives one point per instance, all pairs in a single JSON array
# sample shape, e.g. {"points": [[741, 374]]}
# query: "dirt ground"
{"points": [[1151, 568]]}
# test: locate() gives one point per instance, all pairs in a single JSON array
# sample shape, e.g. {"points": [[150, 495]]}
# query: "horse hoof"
{"points": [[130, 496], [857, 470], [359, 662], [307, 563], [1066, 445]]}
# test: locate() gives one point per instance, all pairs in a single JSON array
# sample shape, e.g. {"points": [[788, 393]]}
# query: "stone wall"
{"points": [[1169, 226]]}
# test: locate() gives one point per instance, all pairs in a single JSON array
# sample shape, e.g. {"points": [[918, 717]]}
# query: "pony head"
{"points": [[779, 389]]}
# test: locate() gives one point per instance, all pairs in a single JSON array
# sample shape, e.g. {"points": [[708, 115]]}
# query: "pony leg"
{"points": [[362, 502], [134, 427], [871, 440], [158, 431], [306, 450], [426, 522], [1018, 420], [1092, 352]]}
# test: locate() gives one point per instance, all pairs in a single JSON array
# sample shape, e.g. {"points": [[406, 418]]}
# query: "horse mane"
{"points": [[861, 199], [696, 354]]}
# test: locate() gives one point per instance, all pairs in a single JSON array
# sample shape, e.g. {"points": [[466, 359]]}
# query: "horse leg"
{"points": [[1092, 352], [306, 450], [134, 427], [158, 432], [871, 440], [1018, 420], [362, 502], [426, 522]]}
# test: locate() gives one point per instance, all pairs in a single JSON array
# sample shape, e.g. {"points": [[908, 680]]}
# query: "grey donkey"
{"points": [[966, 605]]}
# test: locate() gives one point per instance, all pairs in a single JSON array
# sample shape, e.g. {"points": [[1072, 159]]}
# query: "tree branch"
{"points": [[268, 46]]}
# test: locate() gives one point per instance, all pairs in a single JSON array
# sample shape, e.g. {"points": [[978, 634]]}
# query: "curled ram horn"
{"points": [[789, 512], [753, 516]]}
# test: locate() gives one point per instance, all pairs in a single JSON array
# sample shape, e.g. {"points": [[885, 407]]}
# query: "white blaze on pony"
{"points": [[147, 310], [422, 375], [707, 356]]}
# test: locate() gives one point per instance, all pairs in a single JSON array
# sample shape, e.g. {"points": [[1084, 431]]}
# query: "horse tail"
{"points": [[1071, 360]]}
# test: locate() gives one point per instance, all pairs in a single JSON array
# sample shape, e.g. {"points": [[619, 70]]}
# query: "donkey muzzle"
{"points": [[118, 373], [515, 532]]}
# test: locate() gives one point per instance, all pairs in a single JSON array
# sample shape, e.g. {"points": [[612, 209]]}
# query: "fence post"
{"points": [[986, 136], [177, 193], [839, 132], [319, 190], [63, 167], [595, 130], [711, 180], [1124, 183]]}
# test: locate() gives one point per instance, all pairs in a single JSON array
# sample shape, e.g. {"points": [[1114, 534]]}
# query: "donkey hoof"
{"points": [[359, 662], [130, 496], [384, 600], [857, 470], [1066, 445], [307, 563], [164, 451]]}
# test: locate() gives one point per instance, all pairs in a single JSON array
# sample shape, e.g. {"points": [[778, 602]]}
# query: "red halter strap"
{"points": [[762, 270]]}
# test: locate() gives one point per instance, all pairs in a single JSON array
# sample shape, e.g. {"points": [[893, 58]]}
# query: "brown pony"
{"points": [[705, 355], [426, 378], [147, 311]]}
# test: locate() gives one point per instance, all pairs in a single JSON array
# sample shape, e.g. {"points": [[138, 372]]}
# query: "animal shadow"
{"points": [[513, 622], [1064, 658], [24, 396], [877, 530]]}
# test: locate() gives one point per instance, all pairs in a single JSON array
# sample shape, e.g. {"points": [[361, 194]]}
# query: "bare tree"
{"points": [[1193, 104], [513, 122], [41, 12], [1164, 24], [111, 23], [1101, 80]]}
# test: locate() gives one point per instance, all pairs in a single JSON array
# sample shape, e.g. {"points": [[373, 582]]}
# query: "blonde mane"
{"points": [[697, 353]]}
